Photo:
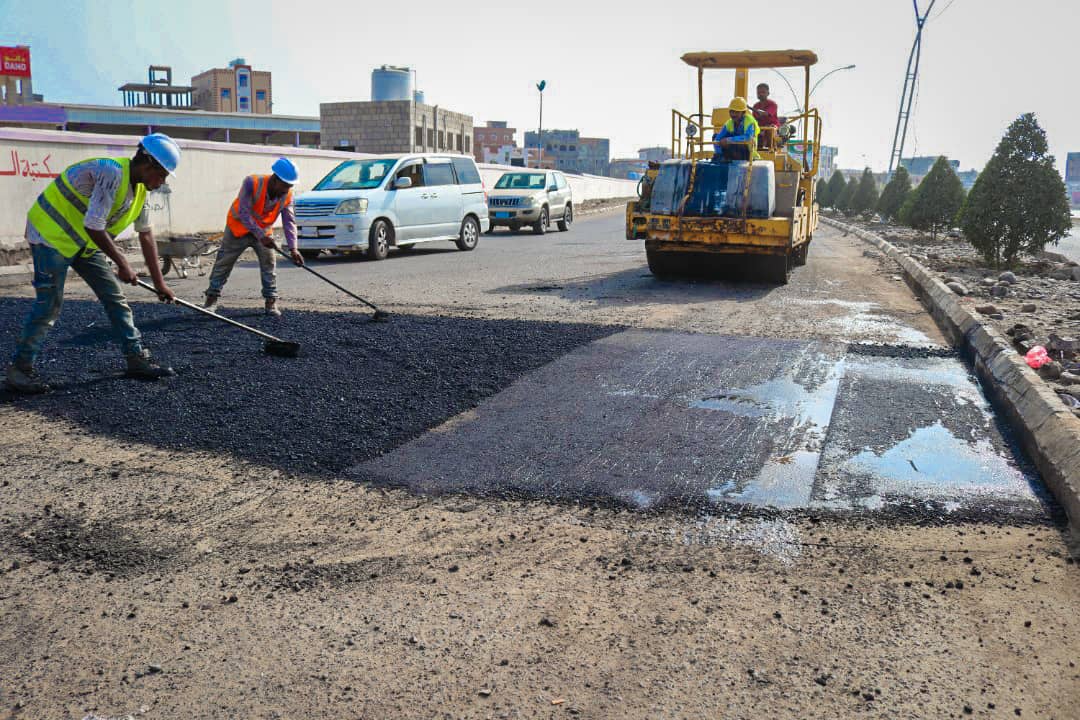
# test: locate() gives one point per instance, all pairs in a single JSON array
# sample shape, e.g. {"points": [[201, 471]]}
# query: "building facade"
{"points": [[628, 168], [656, 154], [572, 153], [394, 126], [493, 140], [235, 89]]}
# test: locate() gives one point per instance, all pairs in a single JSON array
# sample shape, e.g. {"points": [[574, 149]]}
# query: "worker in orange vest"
{"points": [[262, 199]]}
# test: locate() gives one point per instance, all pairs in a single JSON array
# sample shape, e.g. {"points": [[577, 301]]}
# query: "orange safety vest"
{"points": [[264, 216]]}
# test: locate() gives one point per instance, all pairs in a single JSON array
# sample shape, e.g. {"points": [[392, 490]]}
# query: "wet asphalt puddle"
{"points": [[663, 419]]}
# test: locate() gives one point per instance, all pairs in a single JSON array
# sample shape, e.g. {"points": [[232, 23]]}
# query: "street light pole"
{"points": [[835, 70], [798, 107], [540, 130]]}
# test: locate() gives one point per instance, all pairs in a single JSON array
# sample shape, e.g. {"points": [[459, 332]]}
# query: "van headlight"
{"points": [[533, 201], [355, 206]]}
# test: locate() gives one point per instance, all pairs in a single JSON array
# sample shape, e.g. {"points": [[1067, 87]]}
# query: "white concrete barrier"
{"points": [[210, 173]]}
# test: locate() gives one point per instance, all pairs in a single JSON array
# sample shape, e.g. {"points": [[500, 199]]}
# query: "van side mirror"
{"points": [[402, 182], [553, 188]]}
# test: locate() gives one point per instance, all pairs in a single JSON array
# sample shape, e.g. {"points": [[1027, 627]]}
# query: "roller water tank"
{"points": [[762, 189], [391, 83]]}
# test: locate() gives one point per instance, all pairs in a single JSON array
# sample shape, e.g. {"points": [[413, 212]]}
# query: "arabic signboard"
{"points": [[15, 61], [34, 168]]}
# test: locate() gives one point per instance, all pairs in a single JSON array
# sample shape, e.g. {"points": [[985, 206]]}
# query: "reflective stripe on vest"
{"points": [[262, 216], [59, 215]]}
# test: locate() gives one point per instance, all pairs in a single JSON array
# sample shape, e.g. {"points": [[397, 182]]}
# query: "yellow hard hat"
{"points": [[738, 104]]}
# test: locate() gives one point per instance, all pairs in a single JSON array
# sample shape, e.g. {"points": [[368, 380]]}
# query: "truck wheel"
{"points": [[469, 235], [776, 269], [662, 264], [379, 240], [540, 226], [568, 217]]}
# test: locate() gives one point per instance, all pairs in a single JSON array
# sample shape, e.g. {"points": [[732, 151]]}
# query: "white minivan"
{"points": [[373, 204]]}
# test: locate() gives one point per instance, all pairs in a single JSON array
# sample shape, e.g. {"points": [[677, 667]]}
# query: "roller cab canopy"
{"points": [[751, 59]]}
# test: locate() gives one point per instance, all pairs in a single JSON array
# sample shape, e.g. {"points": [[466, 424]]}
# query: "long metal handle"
{"points": [[328, 280], [222, 318]]}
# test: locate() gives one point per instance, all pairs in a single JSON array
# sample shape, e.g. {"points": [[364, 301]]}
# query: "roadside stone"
{"points": [[1051, 370], [1007, 277], [957, 288], [1076, 273], [986, 309], [997, 316], [1063, 344], [1061, 274], [989, 281], [1028, 307], [1000, 290], [1068, 378]]}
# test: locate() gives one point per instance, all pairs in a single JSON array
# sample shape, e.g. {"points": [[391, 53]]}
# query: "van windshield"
{"points": [[357, 175], [528, 181]]}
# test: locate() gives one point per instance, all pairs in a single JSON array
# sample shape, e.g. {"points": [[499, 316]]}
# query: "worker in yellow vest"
{"points": [[73, 224], [737, 138], [262, 199]]}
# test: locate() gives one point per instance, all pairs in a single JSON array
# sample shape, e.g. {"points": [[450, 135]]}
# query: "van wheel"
{"points": [[515, 227], [540, 226], [379, 240], [568, 217], [469, 235], [310, 254]]}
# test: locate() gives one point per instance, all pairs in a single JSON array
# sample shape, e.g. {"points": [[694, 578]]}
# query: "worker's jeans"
{"points": [[232, 248], [50, 273]]}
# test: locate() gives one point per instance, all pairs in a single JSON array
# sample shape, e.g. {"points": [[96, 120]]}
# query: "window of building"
{"points": [[431, 137], [467, 144], [562, 148], [420, 137], [573, 148], [242, 80], [226, 93], [243, 102], [460, 142], [260, 95], [442, 140]]}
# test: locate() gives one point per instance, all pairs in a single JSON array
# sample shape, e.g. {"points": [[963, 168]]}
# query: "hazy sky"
{"points": [[612, 68]]}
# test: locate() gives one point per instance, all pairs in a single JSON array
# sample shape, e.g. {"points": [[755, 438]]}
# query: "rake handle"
{"points": [[222, 318], [327, 280]]}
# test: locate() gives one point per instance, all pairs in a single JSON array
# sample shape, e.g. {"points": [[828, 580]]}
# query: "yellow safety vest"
{"points": [[730, 127], [59, 215]]}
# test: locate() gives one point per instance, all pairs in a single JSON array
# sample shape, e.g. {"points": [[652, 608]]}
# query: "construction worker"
{"points": [[737, 138], [261, 200], [75, 217], [765, 110]]}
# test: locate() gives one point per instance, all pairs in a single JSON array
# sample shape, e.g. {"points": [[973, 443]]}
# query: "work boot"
{"points": [[142, 367], [25, 379], [211, 303], [272, 308]]}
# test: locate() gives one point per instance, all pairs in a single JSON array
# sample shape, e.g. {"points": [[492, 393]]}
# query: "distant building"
{"points": [[492, 139], [628, 168], [394, 126], [158, 91], [968, 178], [919, 167], [236, 88], [656, 154], [1072, 167], [572, 153], [16, 81]]}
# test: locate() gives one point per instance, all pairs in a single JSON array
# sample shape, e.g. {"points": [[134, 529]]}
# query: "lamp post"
{"points": [[835, 70], [540, 130]]}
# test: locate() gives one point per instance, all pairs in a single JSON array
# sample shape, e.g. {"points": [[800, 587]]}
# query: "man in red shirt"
{"points": [[765, 110]]}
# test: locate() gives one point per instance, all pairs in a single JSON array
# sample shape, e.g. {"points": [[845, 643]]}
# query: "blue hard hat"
{"points": [[163, 149], [285, 170]]}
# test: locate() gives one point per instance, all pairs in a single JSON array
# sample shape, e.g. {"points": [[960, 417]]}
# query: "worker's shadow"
{"points": [[357, 389]]}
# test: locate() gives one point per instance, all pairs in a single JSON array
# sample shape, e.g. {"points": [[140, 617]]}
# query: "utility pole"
{"points": [[911, 78], [540, 130]]}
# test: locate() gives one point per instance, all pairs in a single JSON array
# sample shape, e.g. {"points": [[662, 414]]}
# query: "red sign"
{"points": [[15, 61]]}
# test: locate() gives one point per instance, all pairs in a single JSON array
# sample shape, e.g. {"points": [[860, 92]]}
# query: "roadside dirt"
{"points": [[162, 584]]}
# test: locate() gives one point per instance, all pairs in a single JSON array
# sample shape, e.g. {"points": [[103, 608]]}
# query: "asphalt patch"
{"points": [[83, 546], [357, 390]]}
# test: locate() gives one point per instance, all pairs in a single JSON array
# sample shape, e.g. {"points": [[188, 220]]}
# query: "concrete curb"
{"points": [[1050, 433]]}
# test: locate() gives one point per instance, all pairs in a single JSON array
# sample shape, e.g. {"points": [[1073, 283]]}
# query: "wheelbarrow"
{"points": [[185, 252]]}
